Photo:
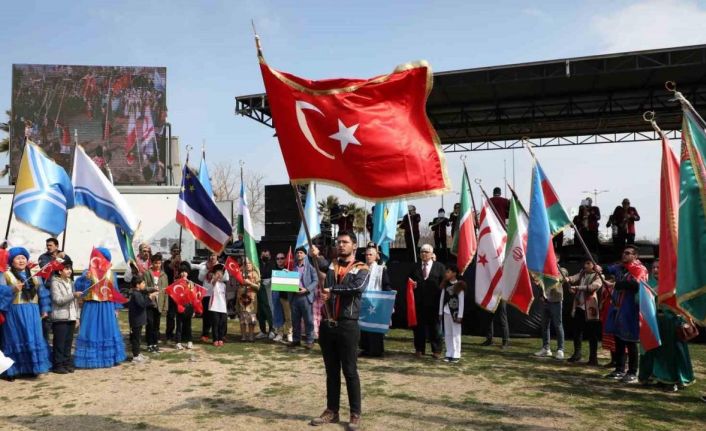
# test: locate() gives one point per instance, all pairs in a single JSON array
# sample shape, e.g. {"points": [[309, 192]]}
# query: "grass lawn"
{"points": [[264, 385]]}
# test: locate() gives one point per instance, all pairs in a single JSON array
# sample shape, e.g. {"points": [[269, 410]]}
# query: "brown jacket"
{"points": [[157, 285], [586, 297]]}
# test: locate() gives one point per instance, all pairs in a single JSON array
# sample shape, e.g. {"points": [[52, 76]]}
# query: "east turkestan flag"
{"points": [[691, 271], [464, 242], [517, 288], [489, 260]]}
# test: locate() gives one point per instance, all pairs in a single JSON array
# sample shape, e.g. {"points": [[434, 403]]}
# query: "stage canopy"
{"points": [[576, 101]]}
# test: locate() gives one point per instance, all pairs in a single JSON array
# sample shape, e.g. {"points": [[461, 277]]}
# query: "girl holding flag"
{"points": [[24, 302], [99, 343], [185, 312]]}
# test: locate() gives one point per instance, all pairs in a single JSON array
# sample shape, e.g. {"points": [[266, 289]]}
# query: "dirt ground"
{"points": [[265, 386]]}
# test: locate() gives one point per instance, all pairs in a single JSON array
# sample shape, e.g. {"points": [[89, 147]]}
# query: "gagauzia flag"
{"points": [[668, 226], [489, 260], [248, 231], [546, 218], [198, 213], [370, 136], [465, 243], [376, 310], [691, 271], [517, 288], [43, 191]]}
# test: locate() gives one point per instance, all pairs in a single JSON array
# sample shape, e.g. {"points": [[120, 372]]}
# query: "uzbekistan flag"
{"points": [[198, 213], [546, 218]]}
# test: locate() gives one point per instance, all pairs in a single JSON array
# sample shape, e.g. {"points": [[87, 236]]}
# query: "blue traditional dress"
{"points": [[99, 343], [23, 341]]}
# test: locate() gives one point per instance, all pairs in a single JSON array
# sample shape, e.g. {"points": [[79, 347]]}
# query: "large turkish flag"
{"points": [[371, 137]]}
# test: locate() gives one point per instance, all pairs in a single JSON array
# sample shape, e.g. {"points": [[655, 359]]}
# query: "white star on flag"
{"points": [[371, 310], [345, 135]]}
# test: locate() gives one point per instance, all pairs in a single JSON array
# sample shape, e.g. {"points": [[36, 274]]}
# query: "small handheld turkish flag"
{"points": [[355, 132], [234, 269]]}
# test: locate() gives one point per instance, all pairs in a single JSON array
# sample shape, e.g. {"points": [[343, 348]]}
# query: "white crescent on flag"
{"points": [[299, 108]]}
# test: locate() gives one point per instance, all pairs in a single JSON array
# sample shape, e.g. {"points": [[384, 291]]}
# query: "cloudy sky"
{"points": [[208, 49]]}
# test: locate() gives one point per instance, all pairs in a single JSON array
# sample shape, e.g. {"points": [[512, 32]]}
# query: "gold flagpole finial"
{"points": [[257, 39]]}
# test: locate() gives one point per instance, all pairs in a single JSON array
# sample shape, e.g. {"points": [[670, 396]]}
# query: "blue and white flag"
{"points": [[376, 310], [312, 219], [95, 191], [43, 192], [204, 179]]}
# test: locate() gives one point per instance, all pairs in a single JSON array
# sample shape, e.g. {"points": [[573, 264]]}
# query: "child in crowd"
{"points": [[217, 305], [156, 282], [64, 316], [183, 319], [451, 312], [137, 316], [247, 302]]}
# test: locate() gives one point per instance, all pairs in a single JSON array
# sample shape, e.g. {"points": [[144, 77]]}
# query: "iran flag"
{"points": [[517, 289], [489, 259]]}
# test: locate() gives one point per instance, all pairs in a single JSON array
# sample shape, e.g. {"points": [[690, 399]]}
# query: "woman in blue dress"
{"points": [[99, 343], [24, 301]]}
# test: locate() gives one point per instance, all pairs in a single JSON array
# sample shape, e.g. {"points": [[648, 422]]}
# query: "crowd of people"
{"points": [[41, 314]]}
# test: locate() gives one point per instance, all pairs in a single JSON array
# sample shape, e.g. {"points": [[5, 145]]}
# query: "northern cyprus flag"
{"points": [[489, 259], [517, 289]]}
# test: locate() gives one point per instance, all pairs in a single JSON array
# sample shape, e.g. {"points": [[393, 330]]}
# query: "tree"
{"points": [[225, 182], [325, 206]]}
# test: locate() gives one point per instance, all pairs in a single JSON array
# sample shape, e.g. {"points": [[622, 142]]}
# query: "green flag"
{"points": [[691, 271], [245, 224]]}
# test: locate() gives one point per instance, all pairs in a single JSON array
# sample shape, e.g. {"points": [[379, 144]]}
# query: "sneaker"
{"points": [[189, 345], [60, 370], [615, 375], [487, 342], [295, 344], [204, 339], [215, 344], [289, 338], [278, 338], [455, 360], [179, 346], [545, 352], [139, 358], [559, 355], [156, 349], [309, 346], [447, 359], [244, 338], [260, 336], [353, 423], [220, 343], [593, 362], [327, 417], [272, 335], [574, 358], [436, 355], [629, 378], [150, 349]]}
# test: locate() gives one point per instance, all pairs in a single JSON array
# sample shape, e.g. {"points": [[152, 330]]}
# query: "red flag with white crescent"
{"points": [[289, 261], [199, 293], [234, 269], [355, 132]]}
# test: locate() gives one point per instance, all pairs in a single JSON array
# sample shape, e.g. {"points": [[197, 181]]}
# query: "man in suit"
{"points": [[427, 275]]}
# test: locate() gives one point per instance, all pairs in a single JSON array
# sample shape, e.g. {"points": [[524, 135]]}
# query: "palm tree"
{"points": [[324, 207], [359, 215]]}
